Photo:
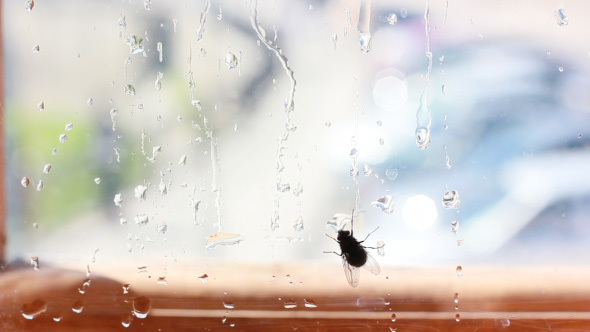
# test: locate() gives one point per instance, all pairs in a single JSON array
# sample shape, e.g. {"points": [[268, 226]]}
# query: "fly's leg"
{"points": [[332, 238], [351, 222], [368, 235], [332, 252]]}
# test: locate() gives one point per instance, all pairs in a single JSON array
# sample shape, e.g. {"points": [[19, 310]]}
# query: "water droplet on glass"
{"points": [[89, 102], [29, 4], [78, 306], [380, 248], [562, 19], [392, 19], [162, 188], [33, 309], [130, 90], [63, 138], [457, 317], [141, 307], [456, 298], [283, 187], [385, 203], [158, 82], [126, 320], [393, 318], [290, 304], [451, 199], [459, 271], [35, 263], [196, 103], [41, 106], [161, 227], [97, 180], [182, 160], [231, 60], [298, 224], [422, 137], [140, 192], [147, 4], [403, 12], [46, 168], [560, 69], [126, 288], [118, 200], [223, 239], [223, 319], [141, 219], [40, 185], [367, 170], [69, 126], [228, 305], [135, 43], [204, 278], [25, 182], [391, 173], [113, 112], [366, 41], [455, 226], [36, 49], [505, 322], [162, 281], [298, 189]]}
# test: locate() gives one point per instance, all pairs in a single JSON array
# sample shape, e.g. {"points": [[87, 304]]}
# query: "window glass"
{"points": [[155, 135]]}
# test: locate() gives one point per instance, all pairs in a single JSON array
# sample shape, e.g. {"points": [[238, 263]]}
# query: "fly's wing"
{"points": [[352, 272], [371, 265]]}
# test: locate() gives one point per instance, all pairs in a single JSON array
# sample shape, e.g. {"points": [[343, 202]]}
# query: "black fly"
{"points": [[354, 255]]}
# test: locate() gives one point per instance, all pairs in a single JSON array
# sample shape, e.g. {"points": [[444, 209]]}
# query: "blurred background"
{"points": [[137, 130]]}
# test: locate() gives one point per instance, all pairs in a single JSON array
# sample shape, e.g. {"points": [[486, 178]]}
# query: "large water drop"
{"points": [[135, 44], [451, 199], [231, 60], [78, 306], [33, 309], [141, 307], [223, 239], [140, 192], [385, 203]]}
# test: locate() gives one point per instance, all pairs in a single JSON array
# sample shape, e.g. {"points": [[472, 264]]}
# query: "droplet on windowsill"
{"points": [[141, 307], [78, 306], [33, 309]]}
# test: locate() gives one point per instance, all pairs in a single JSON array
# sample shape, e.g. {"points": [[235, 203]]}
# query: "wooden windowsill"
{"points": [[421, 298]]}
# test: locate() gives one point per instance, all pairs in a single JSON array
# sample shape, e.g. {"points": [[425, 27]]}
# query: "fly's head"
{"points": [[342, 234]]}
